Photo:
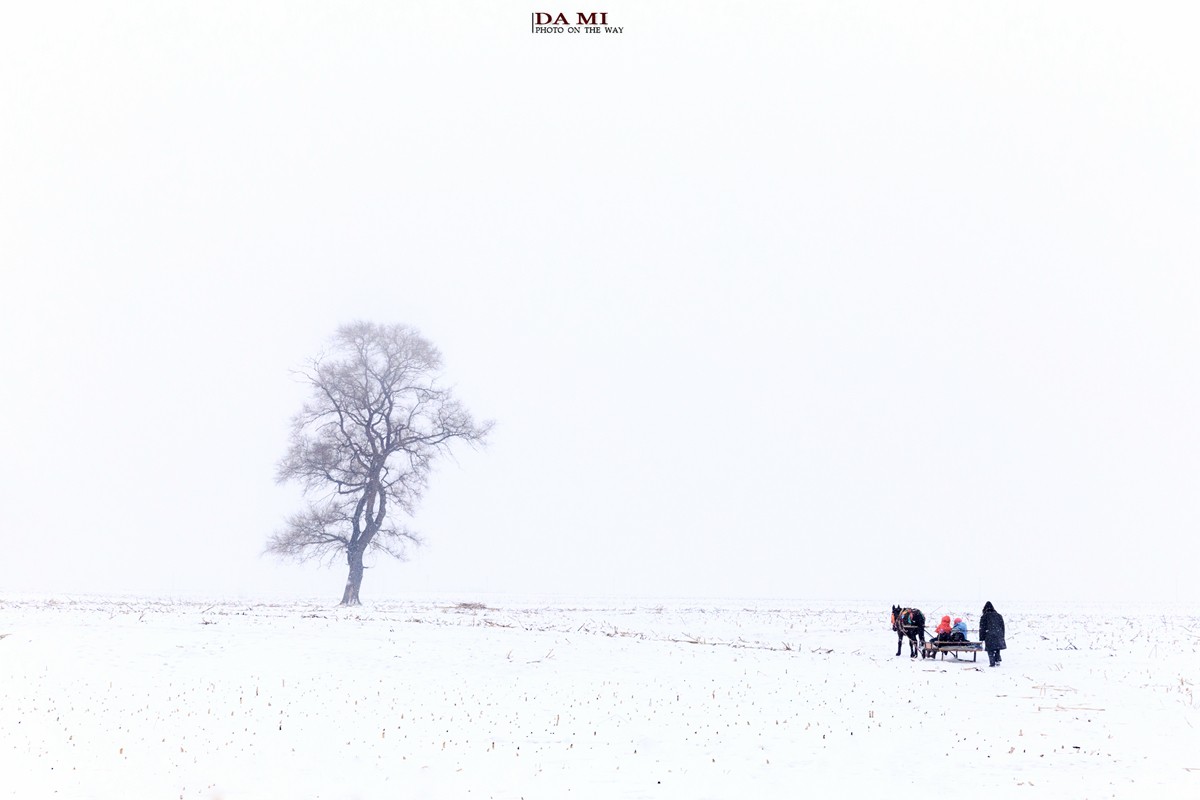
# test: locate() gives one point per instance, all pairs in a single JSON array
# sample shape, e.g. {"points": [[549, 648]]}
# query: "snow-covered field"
{"points": [[145, 698]]}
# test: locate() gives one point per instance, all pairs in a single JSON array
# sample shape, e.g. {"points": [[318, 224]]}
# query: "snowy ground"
{"points": [[142, 698]]}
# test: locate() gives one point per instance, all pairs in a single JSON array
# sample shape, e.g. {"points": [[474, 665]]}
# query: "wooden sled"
{"points": [[932, 649]]}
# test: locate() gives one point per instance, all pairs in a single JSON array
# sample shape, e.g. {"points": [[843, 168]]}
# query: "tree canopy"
{"points": [[364, 444]]}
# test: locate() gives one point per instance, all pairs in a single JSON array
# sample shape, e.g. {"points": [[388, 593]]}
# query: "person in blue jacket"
{"points": [[958, 631], [991, 633]]}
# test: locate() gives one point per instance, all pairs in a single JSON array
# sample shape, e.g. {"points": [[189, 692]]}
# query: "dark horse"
{"points": [[908, 622]]}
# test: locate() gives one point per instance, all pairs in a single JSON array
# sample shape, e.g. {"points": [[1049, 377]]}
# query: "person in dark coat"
{"points": [[991, 633]]}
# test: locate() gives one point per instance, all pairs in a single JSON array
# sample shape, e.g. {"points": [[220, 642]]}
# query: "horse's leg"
{"points": [[899, 641]]}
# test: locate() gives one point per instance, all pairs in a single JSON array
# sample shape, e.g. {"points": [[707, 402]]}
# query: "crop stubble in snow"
{"points": [[103, 698]]}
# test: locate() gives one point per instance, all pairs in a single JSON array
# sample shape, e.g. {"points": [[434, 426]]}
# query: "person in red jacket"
{"points": [[942, 631]]}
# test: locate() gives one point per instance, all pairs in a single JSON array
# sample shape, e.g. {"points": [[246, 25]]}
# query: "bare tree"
{"points": [[363, 445]]}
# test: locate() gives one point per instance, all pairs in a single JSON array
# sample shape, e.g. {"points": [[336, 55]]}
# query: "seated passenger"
{"points": [[942, 632], [958, 632]]}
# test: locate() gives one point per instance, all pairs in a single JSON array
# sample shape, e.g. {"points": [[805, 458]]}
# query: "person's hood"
{"points": [[946, 619], [988, 607]]}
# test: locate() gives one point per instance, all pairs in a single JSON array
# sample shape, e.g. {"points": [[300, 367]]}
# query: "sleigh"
{"points": [[934, 648]]}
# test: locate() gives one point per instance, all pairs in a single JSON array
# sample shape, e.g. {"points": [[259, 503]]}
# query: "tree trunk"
{"points": [[354, 558]]}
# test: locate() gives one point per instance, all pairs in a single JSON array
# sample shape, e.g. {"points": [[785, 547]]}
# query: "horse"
{"points": [[908, 622]]}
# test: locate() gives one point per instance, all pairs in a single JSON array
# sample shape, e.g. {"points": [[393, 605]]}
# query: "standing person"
{"points": [[991, 633]]}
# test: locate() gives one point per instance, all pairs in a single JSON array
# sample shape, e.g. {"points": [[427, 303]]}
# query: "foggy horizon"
{"points": [[820, 302]]}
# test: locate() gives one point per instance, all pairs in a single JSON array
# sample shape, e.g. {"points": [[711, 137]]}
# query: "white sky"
{"points": [[833, 299]]}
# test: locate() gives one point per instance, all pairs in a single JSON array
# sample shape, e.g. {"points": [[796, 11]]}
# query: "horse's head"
{"points": [[896, 617]]}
